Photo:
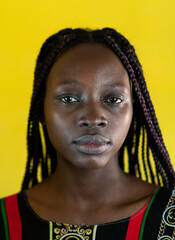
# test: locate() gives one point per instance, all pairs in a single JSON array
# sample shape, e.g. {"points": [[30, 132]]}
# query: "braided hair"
{"points": [[144, 142]]}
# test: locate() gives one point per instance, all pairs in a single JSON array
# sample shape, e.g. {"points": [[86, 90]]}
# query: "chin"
{"points": [[92, 164]]}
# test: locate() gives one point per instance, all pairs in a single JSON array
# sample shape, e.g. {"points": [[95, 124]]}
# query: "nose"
{"points": [[93, 123], [92, 118]]}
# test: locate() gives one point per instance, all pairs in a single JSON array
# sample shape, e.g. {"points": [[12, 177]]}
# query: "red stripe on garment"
{"points": [[135, 224], [13, 217]]}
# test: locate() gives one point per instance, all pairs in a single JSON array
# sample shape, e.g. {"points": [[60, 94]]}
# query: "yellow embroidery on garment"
{"points": [[50, 230], [73, 232], [168, 219]]}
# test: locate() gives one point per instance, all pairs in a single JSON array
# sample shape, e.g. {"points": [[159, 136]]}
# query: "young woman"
{"points": [[92, 131]]}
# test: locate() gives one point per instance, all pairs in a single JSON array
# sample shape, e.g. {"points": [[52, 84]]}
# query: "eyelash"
{"points": [[117, 100], [60, 99]]}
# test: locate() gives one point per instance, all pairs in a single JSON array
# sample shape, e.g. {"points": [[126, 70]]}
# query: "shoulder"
{"points": [[18, 221], [164, 197], [159, 219], [9, 214], [9, 202]]}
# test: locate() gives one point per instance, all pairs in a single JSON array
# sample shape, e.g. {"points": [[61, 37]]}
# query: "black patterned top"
{"points": [[155, 221]]}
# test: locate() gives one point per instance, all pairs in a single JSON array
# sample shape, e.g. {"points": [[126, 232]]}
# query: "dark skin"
{"points": [[88, 93]]}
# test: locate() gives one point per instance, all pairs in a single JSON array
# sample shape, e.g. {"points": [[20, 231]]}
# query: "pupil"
{"points": [[113, 99], [68, 99]]}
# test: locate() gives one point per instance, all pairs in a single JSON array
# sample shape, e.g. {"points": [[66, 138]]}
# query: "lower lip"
{"points": [[92, 148]]}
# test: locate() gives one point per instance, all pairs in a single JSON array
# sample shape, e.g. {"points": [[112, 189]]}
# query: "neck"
{"points": [[85, 186]]}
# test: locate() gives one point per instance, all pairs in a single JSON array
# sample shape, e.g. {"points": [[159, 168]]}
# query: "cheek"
{"points": [[127, 118], [122, 123], [57, 128]]}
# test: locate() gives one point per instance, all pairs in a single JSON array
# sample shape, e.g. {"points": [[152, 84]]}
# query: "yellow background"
{"points": [[148, 24]]}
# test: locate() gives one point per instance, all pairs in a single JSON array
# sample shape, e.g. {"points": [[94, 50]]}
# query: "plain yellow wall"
{"points": [[148, 24]]}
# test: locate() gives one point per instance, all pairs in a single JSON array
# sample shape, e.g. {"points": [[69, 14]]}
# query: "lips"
{"points": [[91, 144]]}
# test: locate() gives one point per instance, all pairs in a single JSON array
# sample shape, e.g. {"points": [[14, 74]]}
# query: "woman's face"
{"points": [[88, 106]]}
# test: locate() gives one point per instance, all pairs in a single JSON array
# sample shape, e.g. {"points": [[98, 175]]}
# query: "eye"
{"points": [[68, 99], [114, 100]]}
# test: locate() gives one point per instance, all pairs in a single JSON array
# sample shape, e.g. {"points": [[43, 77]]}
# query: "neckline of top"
{"points": [[101, 224]]}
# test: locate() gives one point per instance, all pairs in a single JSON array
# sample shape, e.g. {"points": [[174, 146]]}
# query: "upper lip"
{"points": [[91, 139]]}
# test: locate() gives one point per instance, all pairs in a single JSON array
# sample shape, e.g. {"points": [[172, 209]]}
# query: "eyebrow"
{"points": [[76, 83], [113, 85], [66, 82]]}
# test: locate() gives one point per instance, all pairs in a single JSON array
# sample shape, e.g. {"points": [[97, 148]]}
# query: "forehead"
{"points": [[88, 60]]}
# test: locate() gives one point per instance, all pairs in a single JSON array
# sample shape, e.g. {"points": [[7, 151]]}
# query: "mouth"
{"points": [[91, 144]]}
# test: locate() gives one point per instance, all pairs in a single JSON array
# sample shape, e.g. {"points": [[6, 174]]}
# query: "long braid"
{"points": [[47, 55], [143, 153], [144, 118], [164, 166], [140, 78], [130, 53], [136, 152], [149, 162]]}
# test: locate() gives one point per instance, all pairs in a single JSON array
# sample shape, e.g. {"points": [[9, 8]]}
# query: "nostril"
{"points": [[102, 124], [93, 123], [84, 125]]}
